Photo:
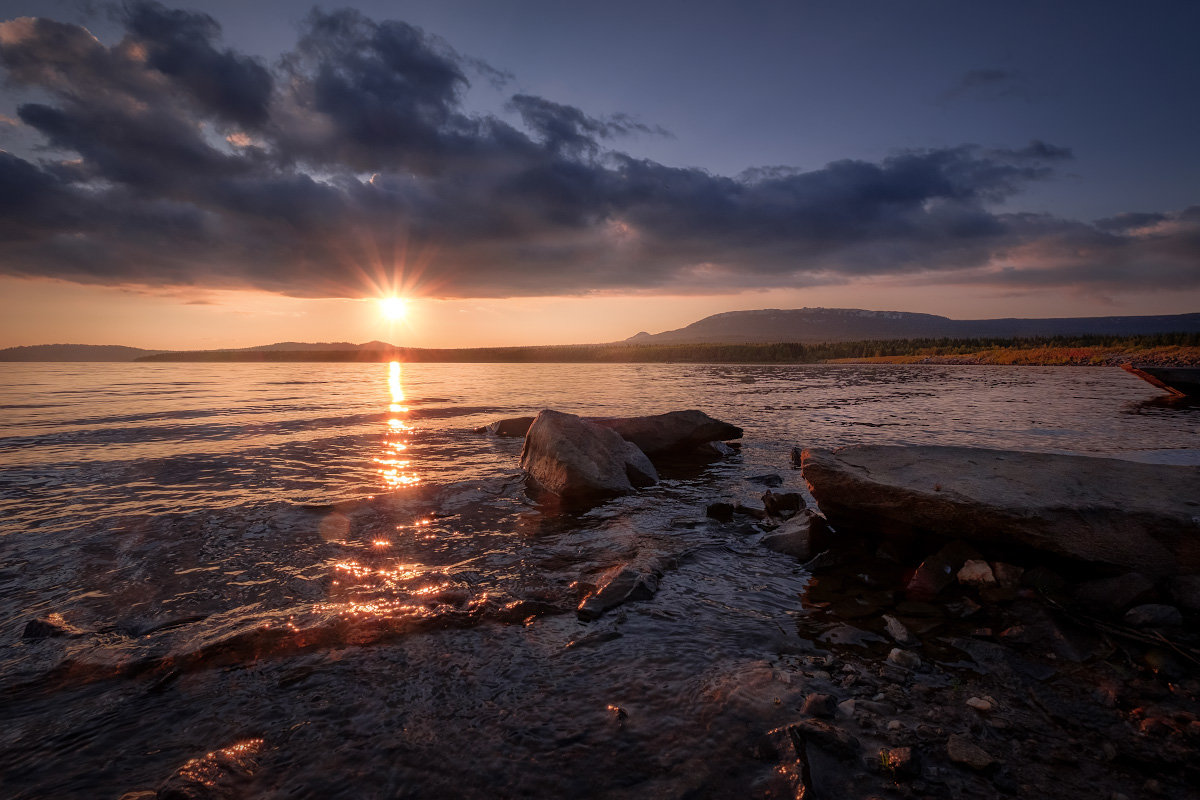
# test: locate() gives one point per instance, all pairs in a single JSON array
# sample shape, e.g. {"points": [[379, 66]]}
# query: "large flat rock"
{"points": [[1123, 513]]}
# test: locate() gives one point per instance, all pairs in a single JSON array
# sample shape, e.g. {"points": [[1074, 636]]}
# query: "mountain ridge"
{"points": [[811, 325]]}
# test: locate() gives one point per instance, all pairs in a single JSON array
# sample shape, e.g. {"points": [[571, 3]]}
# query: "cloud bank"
{"points": [[171, 159]]}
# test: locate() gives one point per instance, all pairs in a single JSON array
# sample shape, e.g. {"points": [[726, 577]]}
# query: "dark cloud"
{"points": [[1130, 220], [172, 160], [988, 84]]}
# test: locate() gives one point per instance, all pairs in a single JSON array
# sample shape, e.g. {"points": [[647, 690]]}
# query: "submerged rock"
{"points": [[50, 626], [820, 705], [223, 773], [1145, 516], [721, 512], [675, 431], [619, 585], [512, 427], [581, 461]]}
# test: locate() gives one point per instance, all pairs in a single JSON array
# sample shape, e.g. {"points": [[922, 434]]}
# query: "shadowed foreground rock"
{"points": [[580, 461], [675, 431], [1122, 513]]}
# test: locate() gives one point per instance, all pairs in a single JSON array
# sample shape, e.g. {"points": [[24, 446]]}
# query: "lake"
{"points": [[321, 575]]}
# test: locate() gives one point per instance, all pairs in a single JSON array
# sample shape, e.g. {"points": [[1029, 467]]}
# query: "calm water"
{"points": [[322, 570]]}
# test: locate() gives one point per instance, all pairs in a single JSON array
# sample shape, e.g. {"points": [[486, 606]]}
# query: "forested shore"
{"points": [[1176, 348]]}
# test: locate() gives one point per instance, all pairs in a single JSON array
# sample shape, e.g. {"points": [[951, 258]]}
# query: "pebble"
{"points": [[895, 629], [895, 725], [846, 708], [904, 658], [979, 704]]}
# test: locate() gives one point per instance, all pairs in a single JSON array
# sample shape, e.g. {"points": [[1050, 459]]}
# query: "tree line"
{"points": [[766, 353]]}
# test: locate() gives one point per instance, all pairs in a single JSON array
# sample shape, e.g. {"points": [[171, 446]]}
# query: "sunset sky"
{"points": [[232, 173]]}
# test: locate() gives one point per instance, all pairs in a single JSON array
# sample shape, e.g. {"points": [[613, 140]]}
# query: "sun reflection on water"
{"points": [[396, 472]]}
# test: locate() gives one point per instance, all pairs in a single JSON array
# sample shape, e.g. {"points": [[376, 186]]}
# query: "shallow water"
{"points": [[324, 566]]}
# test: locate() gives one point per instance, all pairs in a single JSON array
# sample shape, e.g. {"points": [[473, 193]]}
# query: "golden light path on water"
{"points": [[376, 586], [395, 467]]}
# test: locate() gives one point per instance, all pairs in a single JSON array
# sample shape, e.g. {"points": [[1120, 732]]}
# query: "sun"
{"points": [[394, 308]]}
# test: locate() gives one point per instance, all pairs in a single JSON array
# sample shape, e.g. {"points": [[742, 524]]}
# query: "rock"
{"points": [[1008, 576], [979, 704], [1114, 594], [223, 773], [675, 431], [900, 634], [514, 426], [782, 504], [1098, 510], [50, 626], [846, 708], [581, 461], [713, 450], [962, 750], [936, 572], [825, 735], [904, 658], [820, 705], [799, 537], [976, 573], [619, 585], [1045, 580], [771, 480], [1153, 615], [1185, 591], [750, 511], [901, 762], [722, 512], [797, 457]]}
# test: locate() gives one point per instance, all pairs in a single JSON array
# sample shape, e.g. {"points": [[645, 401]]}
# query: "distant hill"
{"points": [[113, 352], [75, 352], [853, 324], [312, 347]]}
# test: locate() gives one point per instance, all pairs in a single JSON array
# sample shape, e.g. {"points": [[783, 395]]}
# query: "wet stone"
{"points": [[901, 762], [896, 629], [782, 504], [938, 570], [962, 750], [722, 512], [820, 705], [1153, 615], [904, 658], [1114, 594], [619, 585], [772, 480], [1185, 591], [825, 735], [50, 626]]}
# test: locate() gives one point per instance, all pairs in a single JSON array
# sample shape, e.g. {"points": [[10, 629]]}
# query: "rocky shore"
{"points": [[983, 623]]}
